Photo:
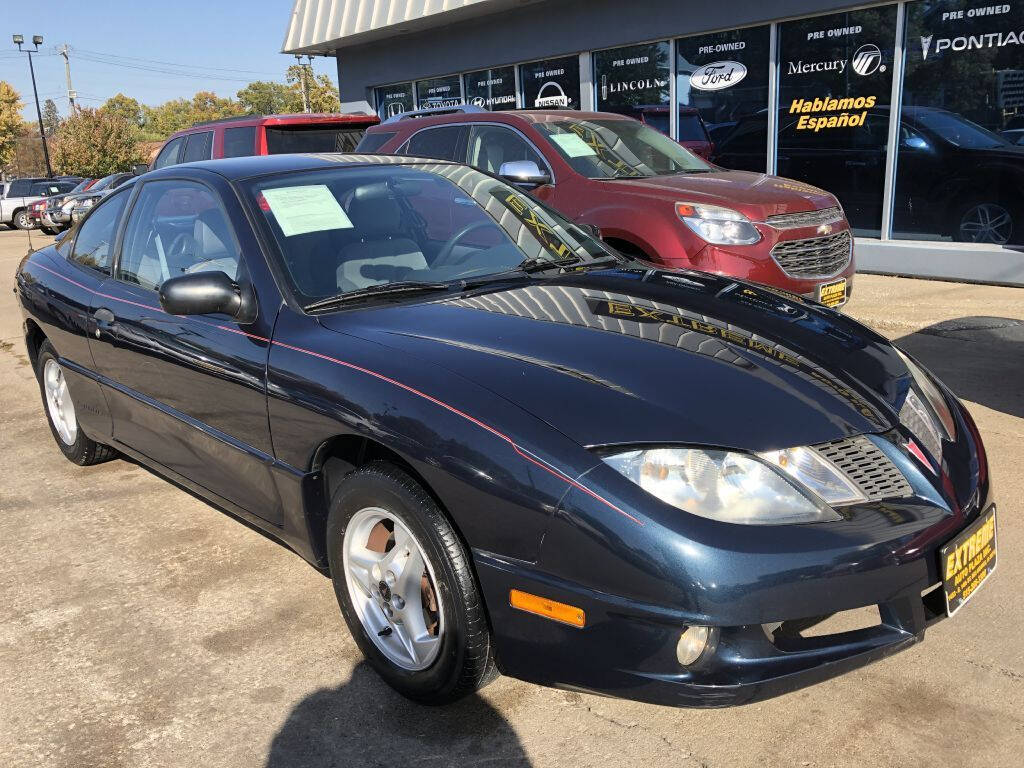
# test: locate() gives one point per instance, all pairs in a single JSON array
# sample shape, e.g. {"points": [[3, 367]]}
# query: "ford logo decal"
{"points": [[718, 75]]}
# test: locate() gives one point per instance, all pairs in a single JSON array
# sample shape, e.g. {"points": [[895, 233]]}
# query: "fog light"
{"points": [[692, 644]]}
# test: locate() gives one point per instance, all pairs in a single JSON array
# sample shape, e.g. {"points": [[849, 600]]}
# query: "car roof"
{"points": [[510, 116], [237, 168], [354, 118]]}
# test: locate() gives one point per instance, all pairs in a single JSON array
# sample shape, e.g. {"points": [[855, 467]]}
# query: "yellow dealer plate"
{"points": [[833, 294], [968, 560]]}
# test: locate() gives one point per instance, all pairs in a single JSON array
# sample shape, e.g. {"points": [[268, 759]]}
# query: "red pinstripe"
{"points": [[521, 452]]}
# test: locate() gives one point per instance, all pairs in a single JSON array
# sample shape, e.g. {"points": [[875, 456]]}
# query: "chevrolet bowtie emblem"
{"points": [[825, 229]]}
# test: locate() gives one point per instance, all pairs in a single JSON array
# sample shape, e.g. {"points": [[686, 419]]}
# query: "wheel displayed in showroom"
{"points": [[405, 586], [982, 221]]}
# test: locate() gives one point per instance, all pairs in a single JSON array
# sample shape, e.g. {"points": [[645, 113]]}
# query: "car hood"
{"points": [[757, 195], [643, 356]]}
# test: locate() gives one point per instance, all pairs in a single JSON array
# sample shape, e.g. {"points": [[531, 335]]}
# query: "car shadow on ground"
{"points": [[365, 723], [980, 358]]}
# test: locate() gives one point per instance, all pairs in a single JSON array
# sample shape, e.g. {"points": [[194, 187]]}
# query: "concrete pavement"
{"points": [[141, 627]]}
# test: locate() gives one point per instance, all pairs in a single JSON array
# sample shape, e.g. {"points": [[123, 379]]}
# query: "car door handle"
{"points": [[104, 319]]}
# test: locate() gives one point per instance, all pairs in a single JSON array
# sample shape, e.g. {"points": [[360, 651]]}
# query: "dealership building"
{"points": [[909, 112]]}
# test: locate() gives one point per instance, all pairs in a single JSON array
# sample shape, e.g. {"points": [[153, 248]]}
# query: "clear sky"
{"points": [[171, 48]]}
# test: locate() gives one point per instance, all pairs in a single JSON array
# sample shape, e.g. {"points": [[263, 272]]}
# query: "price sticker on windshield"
{"points": [[303, 209]]}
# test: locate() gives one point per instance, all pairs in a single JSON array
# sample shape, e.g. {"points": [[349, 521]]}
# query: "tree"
{"points": [[95, 142], [125, 107], [10, 122], [51, 117], [163, 120], [323, 96], [267, 98]]}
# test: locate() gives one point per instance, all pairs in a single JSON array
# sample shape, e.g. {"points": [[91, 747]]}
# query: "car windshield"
{"points": [[958, 130], [356, 228], [80, 186], [616, 149], [103, 183]]}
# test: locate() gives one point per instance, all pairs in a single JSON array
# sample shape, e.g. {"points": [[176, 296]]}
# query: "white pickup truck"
{"points": [[21, 193]]}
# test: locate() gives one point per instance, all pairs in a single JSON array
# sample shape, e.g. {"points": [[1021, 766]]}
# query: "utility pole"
{"points": [[302, 81], [37, 40], [72, 94]]}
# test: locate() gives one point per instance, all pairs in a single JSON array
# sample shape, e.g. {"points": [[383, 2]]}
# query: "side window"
{"points": [[371, 142], [492, 145], [440, 143], [169, 154], [176, 228], [95, 240], [19, 188], [240, 142], [198, 146]]}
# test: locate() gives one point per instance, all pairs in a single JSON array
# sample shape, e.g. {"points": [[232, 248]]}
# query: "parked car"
{"points": [[955, 177], [52, 218], [650, 197], [76, 206], [264, 135], [505, 442], [693, 133], [21, 193]]}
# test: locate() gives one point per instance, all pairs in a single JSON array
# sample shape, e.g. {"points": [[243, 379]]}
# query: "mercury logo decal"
{"points": [[867, 60], [718, 75], [926, 43]]}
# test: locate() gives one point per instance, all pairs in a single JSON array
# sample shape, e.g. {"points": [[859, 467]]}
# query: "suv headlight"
{"points": [[717, 225], [925, 411], [736, 487]]}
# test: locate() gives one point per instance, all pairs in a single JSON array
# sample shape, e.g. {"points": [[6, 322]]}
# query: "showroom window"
{"points": [[634, 81], [438, 92], [393, 100], [963, 112], [493, 89], [835, 83], [551, 84], [722, 90]]}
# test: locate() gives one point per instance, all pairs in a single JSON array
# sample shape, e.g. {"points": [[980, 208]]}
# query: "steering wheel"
{"points": [[444, 256], [180, 245]]}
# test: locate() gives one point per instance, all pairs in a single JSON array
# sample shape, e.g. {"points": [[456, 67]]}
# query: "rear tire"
{"points": [[985, 219], [22, 221], [422, 627], [60, 413]]}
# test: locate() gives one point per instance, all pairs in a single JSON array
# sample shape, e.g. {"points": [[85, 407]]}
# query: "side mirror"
{"points": [[140, 168], [202, 293], [915, 142], [590, 229], [524, 173]]}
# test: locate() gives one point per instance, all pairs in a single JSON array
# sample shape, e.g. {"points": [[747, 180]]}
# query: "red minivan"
{"points": [[649, 196], [264, 135]]}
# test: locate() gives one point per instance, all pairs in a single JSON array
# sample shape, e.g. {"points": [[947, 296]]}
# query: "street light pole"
{"points": [[36, 41]]}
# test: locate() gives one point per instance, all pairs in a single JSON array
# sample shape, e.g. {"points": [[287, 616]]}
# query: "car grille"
{"points": [[867, 467], [814, 256], [805, 218]]}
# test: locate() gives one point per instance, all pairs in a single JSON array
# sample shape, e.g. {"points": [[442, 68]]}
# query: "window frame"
{"points": [[403, 150], [252, 147], [177, 157], [130, 209], [188, 140], [460, 145], [115, 244]]}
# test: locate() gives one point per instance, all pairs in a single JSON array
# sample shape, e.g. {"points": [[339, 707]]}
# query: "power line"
{"points": [[162, 71], [175, 64]]}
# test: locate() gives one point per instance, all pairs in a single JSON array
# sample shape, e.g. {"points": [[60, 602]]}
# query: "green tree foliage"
{"points": [[51, 117], [267, 98], [10, 122], [323, 96], [95, 142], [125, 107], [163, 120]]}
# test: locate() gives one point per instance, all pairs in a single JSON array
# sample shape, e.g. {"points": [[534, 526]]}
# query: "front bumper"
{"points": [[763, 594]]}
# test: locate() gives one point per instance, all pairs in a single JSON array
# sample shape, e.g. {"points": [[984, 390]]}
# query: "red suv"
{"points": [[648, 195], [264, 135]]}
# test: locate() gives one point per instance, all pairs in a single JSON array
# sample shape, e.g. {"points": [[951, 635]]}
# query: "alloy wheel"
{"points": [[393, 588], [986, 223], [58, 402]]}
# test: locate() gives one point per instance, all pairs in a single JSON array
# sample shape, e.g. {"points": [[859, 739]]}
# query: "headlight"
{"points": [[930, 423], [721, 485], [718, 225]]}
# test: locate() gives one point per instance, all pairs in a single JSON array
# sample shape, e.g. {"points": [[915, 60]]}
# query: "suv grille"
{"points": [[805, 218], [814, 256], [867, 467]]}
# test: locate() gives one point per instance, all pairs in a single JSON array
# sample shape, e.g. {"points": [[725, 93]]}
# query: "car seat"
{"points": [[383, 242]]}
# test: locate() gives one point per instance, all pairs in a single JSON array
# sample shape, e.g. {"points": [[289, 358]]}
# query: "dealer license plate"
{"points": [[832, 294], [968, 560]]}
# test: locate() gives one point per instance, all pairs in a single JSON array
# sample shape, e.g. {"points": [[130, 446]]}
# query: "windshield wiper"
{"points": [[404, 286], [539, 263]]}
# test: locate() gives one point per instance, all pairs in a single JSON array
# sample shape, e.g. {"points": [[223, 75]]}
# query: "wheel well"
{"points": [[627, 248], [34, 338], [339, 457]]}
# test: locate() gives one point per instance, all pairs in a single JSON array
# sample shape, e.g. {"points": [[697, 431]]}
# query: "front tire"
{"points": [[61, 415], [405, 587], [984, 220], [22, 221]]}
